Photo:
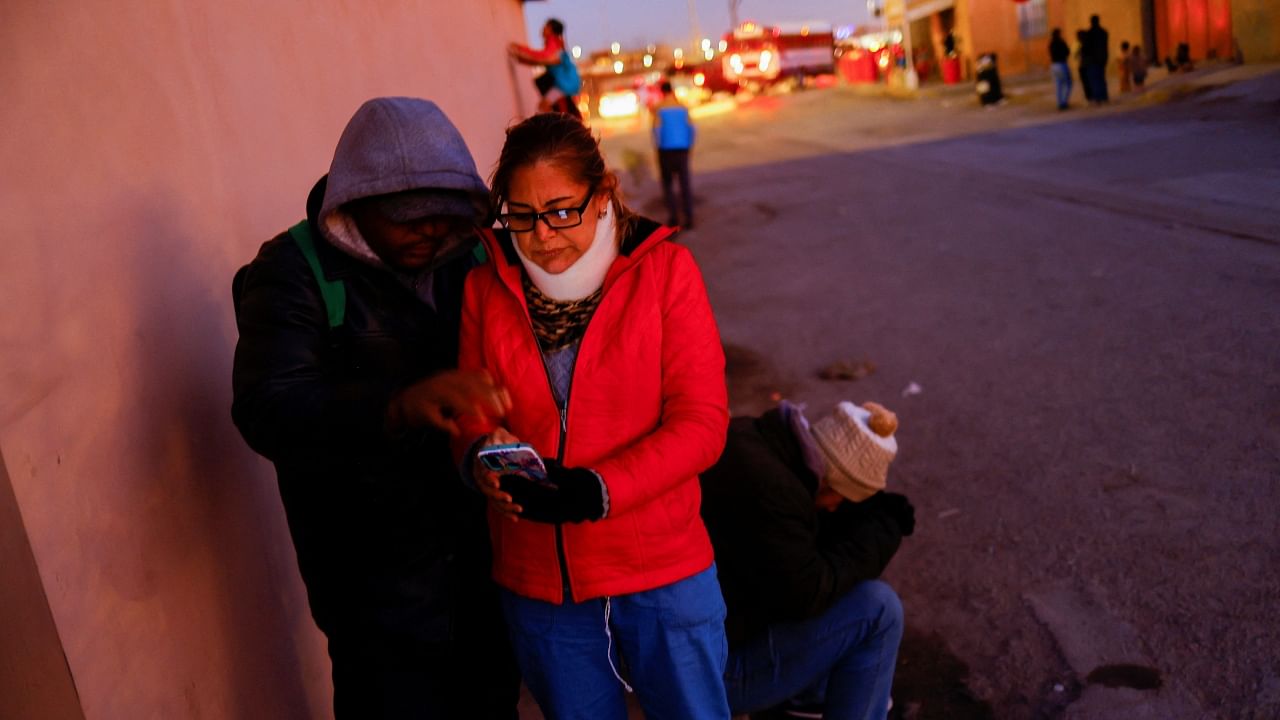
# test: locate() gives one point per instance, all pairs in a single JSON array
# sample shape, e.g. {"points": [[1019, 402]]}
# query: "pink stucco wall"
{"points": [[148, 148]]}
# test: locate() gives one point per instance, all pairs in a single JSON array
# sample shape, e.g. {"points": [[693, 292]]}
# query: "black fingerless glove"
{"points": [[578, 495]]}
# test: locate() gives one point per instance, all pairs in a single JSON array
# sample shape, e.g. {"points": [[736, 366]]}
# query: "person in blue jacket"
{"points": [[673, 135], [560, 84]]}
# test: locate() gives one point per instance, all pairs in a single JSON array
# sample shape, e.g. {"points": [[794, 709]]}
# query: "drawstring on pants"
{"points": [[608, 632]]}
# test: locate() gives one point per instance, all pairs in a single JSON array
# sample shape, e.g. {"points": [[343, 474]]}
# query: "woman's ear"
{"points": [[608, 184], [608, 189], [603, 201]]}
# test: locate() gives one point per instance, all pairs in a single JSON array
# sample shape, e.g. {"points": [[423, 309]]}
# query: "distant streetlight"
{"points": [[616, 48], [708, 53], [577, 51], [694, 31], [617, 67], [706, 44], [724, 45], [679, 53], [648, 61]]}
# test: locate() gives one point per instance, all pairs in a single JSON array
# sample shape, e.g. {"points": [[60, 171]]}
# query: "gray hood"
{"points": [[393, 144]]}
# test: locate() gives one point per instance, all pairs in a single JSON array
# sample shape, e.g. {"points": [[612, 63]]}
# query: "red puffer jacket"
{"points": [[647, 410]]}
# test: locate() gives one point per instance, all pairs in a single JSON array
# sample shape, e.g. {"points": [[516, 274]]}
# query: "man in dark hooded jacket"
{"points": [[348, 386]]}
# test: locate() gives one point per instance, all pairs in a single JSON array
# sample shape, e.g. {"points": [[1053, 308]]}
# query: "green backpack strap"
{"points": [[333, 291]]}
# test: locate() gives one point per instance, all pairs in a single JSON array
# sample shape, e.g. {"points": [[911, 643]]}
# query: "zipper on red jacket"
{"points": [[566, 586]]}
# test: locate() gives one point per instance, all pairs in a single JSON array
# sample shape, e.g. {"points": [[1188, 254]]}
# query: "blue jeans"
{"points": [[1062, 80], [671, 638], [1097, 81], [847, 653], [673, 165]]}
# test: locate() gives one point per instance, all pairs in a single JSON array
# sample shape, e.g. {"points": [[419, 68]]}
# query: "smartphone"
{"points": [[515, 459]]}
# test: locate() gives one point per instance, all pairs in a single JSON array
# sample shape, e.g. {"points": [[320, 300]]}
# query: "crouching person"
{"points": [[801, 532]]}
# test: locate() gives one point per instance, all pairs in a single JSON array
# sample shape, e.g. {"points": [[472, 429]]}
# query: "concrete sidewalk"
{"points": [[1037, 86]]}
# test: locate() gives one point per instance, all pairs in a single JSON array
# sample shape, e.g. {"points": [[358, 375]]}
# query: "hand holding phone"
{"points": [[574, 495], [515, 459]]}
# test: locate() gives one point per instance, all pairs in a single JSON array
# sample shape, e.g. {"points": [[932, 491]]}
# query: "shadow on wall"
{"points": [[203, 498]]}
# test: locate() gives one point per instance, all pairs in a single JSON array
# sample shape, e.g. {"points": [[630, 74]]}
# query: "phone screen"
{"points": [[515, 459]]}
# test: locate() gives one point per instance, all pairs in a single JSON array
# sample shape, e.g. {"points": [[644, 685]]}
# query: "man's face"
{"points": [[827, 499], [410, 246]]}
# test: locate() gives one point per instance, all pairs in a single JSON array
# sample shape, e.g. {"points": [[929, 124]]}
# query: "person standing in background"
{"points": [[1138, 66], [1124, 67], [1082, 67], [1094, 57], [1059, 53], [560, 84], [673, 135]]}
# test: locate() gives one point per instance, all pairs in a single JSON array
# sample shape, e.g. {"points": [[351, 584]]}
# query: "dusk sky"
{"points": [[594, 24]]}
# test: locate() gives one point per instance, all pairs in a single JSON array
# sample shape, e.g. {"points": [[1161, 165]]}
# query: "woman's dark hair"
{"points": [[561, 140], [556, 26]]}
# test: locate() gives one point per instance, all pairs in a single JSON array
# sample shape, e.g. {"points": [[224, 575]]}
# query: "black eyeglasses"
{"points": [[558, 219]]}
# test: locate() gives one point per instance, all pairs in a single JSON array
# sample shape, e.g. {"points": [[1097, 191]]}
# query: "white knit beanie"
{"points": [[858, 458]]}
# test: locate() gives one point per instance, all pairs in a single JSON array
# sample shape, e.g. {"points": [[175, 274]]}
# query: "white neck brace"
{"points": [[586, 274]]}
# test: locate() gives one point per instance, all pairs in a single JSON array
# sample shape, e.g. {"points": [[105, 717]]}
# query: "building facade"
{"points": [[1018, 31]]}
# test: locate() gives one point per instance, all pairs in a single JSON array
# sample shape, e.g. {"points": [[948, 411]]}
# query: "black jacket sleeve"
{"points": [[291, 393], [863, 536]]}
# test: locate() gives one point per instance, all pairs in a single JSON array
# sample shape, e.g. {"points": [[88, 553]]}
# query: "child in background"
{"points": [[1124, 63], [1138, 66]]}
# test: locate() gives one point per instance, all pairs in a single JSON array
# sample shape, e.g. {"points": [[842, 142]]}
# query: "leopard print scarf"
{"points": [[557, 324]]}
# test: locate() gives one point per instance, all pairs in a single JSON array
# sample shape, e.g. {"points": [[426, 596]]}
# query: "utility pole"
{"points": [[733, 12], [693, 24], [909, 78], [876, 13]]}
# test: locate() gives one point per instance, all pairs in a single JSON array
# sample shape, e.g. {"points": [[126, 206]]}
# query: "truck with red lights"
{"points": [[757, 56]]}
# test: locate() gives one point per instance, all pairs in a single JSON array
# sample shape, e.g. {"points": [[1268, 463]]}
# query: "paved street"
{"points": [[1089, 303]]}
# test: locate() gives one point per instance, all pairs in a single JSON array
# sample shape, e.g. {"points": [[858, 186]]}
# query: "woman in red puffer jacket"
{"points": [[601, 330]]}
